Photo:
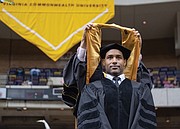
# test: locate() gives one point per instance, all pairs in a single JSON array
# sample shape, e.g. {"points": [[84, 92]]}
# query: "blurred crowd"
{"points": [[165, 77]]}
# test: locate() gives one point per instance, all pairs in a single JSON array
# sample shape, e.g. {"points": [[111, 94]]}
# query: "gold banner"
{"points": [[54, 26]]}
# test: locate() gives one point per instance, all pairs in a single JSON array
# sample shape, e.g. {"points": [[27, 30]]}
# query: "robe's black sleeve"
{"points": [[142, 113], [143, 75], [91, 113], [74, 75]]}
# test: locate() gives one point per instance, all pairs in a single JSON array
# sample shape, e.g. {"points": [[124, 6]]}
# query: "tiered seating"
{"points": [[34, 76], [27, 75], [165, 76], [12, 76], [19, 76], [177, 73], [56, 72]]}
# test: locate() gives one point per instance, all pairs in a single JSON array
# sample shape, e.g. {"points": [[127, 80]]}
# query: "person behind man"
{"points": [[111, 101]]}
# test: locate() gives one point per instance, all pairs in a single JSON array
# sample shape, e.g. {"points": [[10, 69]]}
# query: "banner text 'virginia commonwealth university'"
{"points": [[54, 26]]}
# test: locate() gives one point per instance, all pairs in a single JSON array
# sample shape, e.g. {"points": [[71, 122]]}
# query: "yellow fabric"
{"points": [[132, 43], [54, 26], [8, 1], [129, 41], [93, 40]]}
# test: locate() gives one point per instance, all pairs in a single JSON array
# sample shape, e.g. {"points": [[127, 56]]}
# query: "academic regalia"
{"points": [[74, 75], [74, 80], [143, 75], [141, 112], [101, 101], [103, 107]]}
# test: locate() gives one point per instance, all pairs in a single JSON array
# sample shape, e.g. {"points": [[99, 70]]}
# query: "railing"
{"points": [[166, 97]]}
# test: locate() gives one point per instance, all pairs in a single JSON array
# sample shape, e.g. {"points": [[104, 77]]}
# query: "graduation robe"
{"points": [[141, 111], [102, 106], [74, 74]]}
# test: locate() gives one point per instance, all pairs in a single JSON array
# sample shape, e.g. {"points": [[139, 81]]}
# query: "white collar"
{"points": [[110, 77]]}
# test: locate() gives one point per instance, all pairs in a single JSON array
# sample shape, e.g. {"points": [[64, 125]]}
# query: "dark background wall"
{"points": [[20, 53]]}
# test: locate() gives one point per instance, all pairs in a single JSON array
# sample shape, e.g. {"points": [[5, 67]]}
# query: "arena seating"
{"points": [[33, 76], [167, 77], [162, 77]]}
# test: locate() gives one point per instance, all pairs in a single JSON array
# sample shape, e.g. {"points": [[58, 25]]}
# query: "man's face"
{"points": [[114, 62]]}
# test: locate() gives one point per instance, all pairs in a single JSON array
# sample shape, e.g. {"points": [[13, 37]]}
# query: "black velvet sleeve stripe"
{"points": [[88, 105], [89, 116], [93, 125], [148, 116], [146, 125], [147, 106]]}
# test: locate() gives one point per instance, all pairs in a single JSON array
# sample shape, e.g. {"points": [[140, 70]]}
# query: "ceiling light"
{"points": [[167, 120], [144, 22]]}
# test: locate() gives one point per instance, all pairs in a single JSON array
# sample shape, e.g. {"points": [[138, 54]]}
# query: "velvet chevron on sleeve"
{"points": [[144, 116], [91, 114]]}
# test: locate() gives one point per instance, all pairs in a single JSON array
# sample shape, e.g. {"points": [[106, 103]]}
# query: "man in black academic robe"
{"points": [[104, 105]]}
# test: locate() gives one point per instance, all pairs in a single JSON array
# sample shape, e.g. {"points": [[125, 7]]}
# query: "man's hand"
{"points": [[138, 35], [83, 40]]}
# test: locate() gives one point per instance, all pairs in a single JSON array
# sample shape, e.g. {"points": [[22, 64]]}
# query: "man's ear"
{"points": [[103, 62], [125, 63]]}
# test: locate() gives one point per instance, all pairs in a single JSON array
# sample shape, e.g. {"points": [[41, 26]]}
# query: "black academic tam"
{"points": [[126, 52]]}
